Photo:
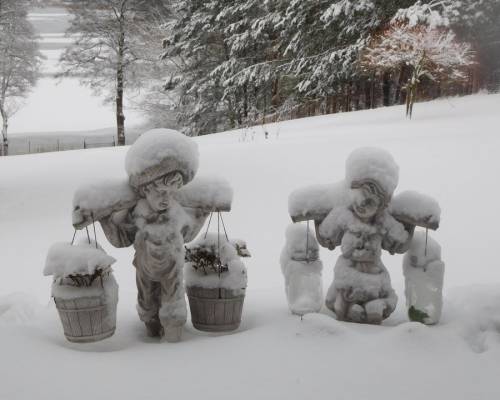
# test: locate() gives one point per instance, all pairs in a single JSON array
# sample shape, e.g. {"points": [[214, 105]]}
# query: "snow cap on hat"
{"points": [[370, 164], [159, 152]]}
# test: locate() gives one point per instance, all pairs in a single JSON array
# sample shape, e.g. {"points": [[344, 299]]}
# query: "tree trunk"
{"points": [[367, 94], [386, 89], [245, 102], [372, 92], [120, 117], [5, 140]]}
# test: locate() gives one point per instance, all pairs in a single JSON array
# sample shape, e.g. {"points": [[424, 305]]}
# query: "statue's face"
{"points": [[365, 203], [159, 193]]}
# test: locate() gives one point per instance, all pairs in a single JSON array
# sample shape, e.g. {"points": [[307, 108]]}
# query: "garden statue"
{"points": [[158, 210], [361, 216]]}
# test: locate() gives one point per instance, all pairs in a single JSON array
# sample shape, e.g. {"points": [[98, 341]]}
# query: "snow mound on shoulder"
{"points": [[412, 206], [316, 201]]}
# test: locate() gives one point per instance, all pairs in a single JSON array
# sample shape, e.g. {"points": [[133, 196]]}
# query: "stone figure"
{"points": [[356, 215], [156, 222]]}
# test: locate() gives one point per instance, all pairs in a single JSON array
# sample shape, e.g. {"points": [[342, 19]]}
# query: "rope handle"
{"points": [[426, 239], [88, 234], [307, 242], [219, 221]]}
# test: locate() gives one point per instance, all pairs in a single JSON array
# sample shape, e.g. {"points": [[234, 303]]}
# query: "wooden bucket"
{"points": [[215, 310], [86, 319]]}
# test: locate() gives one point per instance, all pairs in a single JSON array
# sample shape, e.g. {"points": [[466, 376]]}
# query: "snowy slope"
{"points": [[448, 151]]}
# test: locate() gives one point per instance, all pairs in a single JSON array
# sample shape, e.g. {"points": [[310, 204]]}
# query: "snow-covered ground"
{"points": [[61, 104], [449, 151]]}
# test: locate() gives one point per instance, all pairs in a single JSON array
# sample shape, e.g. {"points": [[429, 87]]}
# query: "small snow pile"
{"points": [[83, 258], [100, 199], [18, 308], [413, 207], [370, 163], [473, 311], [302, 268], [160, 150], [424, 273], [208, 193], [202, 267]]}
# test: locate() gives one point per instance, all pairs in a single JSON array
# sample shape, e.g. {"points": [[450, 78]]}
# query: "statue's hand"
{"points": [[81, 218], [119, 217]]}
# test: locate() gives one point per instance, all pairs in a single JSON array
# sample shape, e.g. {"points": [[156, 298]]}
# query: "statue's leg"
{"points": [[331, 297], [375, 311], [340, 306], [173, 311], [356, 313], [148, 303]]}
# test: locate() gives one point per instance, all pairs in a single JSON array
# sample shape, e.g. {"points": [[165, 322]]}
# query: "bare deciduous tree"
{"points": [[19, 61], [429, 52], [110, 49]]}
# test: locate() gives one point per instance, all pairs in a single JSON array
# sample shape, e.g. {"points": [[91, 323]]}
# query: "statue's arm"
{"points": [[119, 228], [398, 237], [330, 230], [328, 242]]}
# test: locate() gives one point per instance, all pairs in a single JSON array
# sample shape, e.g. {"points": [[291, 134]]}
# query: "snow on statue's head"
{"points": [[159, 163], [372, 174]]}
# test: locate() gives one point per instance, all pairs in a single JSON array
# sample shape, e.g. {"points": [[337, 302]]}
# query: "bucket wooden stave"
{"points": [[215, 310], [85, 319]]}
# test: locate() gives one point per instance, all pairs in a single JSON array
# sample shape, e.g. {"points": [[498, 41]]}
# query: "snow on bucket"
{"points": [[84, 290], [216, 281]]}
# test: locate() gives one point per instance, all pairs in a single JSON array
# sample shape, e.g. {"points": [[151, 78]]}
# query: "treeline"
{"points": [[237, 63]]}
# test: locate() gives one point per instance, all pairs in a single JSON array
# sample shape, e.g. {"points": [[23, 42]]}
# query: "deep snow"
{"points": [[448, 151]]}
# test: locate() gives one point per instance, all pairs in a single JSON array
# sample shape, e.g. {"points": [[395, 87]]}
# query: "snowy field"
{"points": [[449, 151], [60, 104]]}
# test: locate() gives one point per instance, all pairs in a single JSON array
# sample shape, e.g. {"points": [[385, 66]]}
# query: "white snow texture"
{"points": [[159, 146], [374, 164], [234, 279], [82, 258], [208, 193], [301, 268], [99, 199], [424, 273], [417, 207]]}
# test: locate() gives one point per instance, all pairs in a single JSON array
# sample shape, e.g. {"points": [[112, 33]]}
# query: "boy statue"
{"points": [[158, 164]]}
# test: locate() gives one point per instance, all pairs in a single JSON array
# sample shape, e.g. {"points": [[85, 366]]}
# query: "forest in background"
{"points": [[208, 66]]}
